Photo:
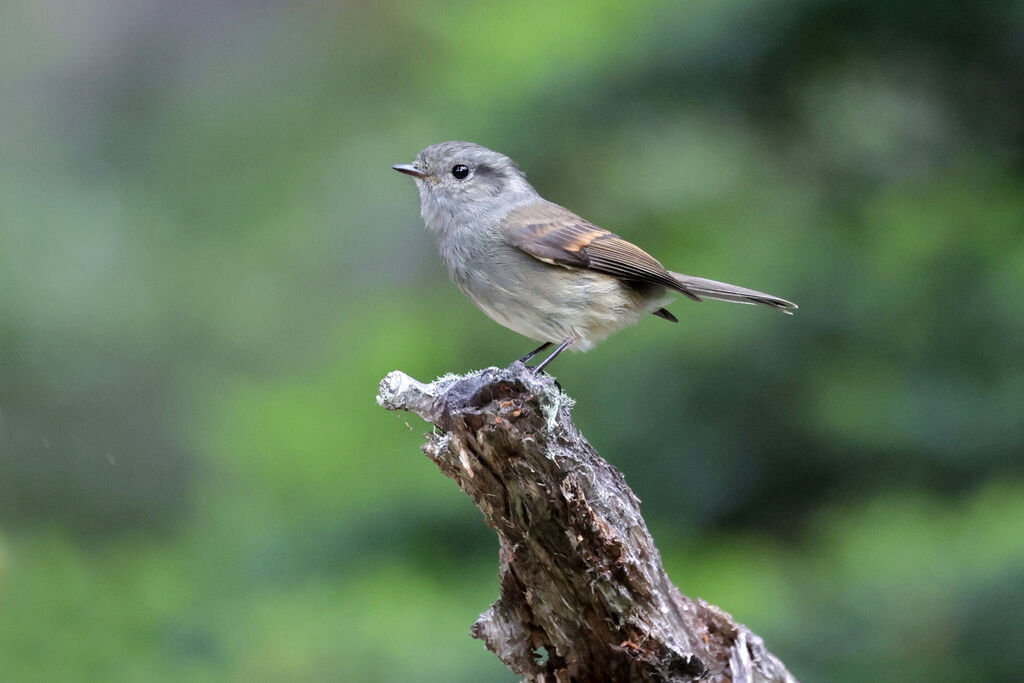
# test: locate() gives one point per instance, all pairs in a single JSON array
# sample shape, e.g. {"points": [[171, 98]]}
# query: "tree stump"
{"points": [[584, 596]]}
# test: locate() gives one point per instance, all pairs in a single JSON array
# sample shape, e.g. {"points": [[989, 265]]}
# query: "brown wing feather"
{"points": [[555, 235]]}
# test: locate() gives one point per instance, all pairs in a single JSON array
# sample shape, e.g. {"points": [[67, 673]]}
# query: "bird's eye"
{"points": [[460, 171]]}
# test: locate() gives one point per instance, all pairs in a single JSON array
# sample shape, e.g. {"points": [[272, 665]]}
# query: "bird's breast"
{"points": [[541, 301]]}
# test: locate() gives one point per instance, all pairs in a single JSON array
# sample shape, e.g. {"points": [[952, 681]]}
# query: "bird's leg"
{"points": [[561, 347], [533, 353]]}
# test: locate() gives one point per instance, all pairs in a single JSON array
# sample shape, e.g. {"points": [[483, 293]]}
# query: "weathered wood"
{"points": [[584, 596]]}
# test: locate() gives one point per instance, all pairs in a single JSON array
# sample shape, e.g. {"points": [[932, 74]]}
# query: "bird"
{"points": [[538, 268]]}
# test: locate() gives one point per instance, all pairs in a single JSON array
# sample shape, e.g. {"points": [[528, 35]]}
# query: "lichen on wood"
{"points": [[583, 594]]}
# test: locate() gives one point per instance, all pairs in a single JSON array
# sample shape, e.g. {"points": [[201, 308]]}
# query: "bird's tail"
{"points": [[711, 289]]}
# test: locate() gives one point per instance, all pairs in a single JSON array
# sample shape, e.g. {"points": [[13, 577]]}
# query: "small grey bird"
{"points": [[536, 267]]}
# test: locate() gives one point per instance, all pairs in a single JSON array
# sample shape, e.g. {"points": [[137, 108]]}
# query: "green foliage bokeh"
{"points": [[206, 265]]}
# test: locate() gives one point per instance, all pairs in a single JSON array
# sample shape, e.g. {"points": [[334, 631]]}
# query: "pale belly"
{"points": [[550, 303]]}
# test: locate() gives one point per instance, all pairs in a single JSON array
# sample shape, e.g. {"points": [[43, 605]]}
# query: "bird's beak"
{"points": [[409, 169]]}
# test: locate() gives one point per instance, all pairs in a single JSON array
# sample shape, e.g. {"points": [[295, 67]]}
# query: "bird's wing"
{"points": [[555, 235]]}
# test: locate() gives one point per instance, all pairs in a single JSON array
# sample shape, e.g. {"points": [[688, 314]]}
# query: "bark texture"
{"points": [[584, 596]]}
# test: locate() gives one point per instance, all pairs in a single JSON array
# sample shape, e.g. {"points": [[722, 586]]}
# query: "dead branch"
{"points": [[584, 596]]}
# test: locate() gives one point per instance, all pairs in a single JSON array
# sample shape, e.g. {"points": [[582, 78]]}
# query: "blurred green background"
{"points": [[207, 264]]}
